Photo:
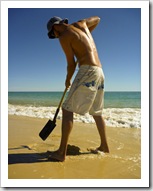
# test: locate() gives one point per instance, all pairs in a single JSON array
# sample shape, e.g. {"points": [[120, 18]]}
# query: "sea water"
{"points": [[121, 109]]}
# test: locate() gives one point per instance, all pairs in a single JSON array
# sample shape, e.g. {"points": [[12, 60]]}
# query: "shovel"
{"points": [[50, 125]]}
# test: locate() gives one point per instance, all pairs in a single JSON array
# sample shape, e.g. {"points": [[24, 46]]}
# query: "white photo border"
{"points": [[144, 181]]}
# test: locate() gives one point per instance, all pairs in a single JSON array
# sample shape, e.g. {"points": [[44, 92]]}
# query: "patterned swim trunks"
{"points": [[87, 92]]}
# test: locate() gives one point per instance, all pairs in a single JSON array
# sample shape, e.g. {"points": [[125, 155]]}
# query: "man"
{"points": [[87, 91]]}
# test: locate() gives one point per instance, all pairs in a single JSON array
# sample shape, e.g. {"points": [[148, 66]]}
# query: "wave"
{"points": [[114, 117]]}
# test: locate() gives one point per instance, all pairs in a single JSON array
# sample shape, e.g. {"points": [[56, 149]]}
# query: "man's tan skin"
{"points": [[76, 41]]}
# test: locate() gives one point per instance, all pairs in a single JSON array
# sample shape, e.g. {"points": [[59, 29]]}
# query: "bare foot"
{"points": [[55, 156], [104, 149], [99, 149]]}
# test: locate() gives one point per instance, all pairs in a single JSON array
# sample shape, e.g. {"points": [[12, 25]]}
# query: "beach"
{"points": [[27, 151]]}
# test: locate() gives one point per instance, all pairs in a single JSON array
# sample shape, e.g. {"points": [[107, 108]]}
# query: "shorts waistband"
{"points": [[89, 66]]}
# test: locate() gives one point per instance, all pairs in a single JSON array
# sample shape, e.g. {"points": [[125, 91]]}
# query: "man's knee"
{"points": [[96, 117], [67, 114]]}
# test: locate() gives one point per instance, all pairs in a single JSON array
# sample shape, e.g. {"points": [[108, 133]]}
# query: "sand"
{"points": [[27, 159]]}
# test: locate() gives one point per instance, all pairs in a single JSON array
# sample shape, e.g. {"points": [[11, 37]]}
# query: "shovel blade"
{"points": [[48, 128]]}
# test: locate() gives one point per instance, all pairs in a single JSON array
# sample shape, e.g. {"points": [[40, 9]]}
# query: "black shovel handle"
{"points": [[55, 116]]}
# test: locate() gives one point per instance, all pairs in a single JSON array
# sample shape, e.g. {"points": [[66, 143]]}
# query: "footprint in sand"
{"points": [[121, 146]]}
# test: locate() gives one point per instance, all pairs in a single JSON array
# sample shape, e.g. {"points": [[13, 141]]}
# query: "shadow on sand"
{"points": [[18, 158]]}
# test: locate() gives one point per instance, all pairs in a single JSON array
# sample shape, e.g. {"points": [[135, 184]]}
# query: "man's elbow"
{"points": [[98, 19], [95, 20]]}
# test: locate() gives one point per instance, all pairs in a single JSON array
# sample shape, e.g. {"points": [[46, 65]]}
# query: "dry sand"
{"points": [[27, 160]]}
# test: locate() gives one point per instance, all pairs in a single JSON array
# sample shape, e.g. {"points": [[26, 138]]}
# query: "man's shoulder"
{"points": [[78, 23]]}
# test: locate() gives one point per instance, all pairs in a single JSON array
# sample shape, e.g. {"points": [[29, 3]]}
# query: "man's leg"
{"points": [[67, 124], [102, 132]]}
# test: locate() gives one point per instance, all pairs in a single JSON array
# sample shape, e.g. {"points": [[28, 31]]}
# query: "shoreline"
{"points": [[26, 152], [114, 117]]}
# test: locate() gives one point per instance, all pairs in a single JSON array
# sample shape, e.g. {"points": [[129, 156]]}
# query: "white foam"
{"points": [[114, 117]]}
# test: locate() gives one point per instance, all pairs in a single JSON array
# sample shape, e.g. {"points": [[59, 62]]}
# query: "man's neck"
{"points": [[60, 29]]}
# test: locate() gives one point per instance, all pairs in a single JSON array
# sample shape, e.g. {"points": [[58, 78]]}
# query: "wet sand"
{"points": [[27, 159]]}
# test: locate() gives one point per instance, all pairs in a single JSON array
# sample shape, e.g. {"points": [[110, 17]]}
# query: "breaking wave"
{"points": [[114, 117]]}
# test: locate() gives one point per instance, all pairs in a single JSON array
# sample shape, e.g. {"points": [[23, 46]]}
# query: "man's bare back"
{"points": [[79, 39]]}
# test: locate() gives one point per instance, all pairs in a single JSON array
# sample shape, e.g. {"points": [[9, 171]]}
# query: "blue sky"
{"points": [[36, 63]]}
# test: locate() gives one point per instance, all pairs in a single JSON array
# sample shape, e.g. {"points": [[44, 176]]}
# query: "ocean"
{"points": [[121, 109]]}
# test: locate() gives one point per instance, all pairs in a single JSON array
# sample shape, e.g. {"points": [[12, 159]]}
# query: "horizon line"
{"points": [[68, 90]]}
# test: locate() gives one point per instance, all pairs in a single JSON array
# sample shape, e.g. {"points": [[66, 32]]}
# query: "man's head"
{"points": [[51, 23]]}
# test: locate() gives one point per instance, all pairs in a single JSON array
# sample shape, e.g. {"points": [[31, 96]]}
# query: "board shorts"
{"points": [[86, 94]]}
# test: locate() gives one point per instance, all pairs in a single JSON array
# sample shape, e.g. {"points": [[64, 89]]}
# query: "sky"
{"points": [[37, 63]]}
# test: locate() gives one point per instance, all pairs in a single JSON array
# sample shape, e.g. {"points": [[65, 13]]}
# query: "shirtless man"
{"points": [[87, 90]]}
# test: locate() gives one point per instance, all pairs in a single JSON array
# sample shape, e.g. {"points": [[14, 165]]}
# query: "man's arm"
{"points": [[92, 22], [71, 64], [70, 71]]}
